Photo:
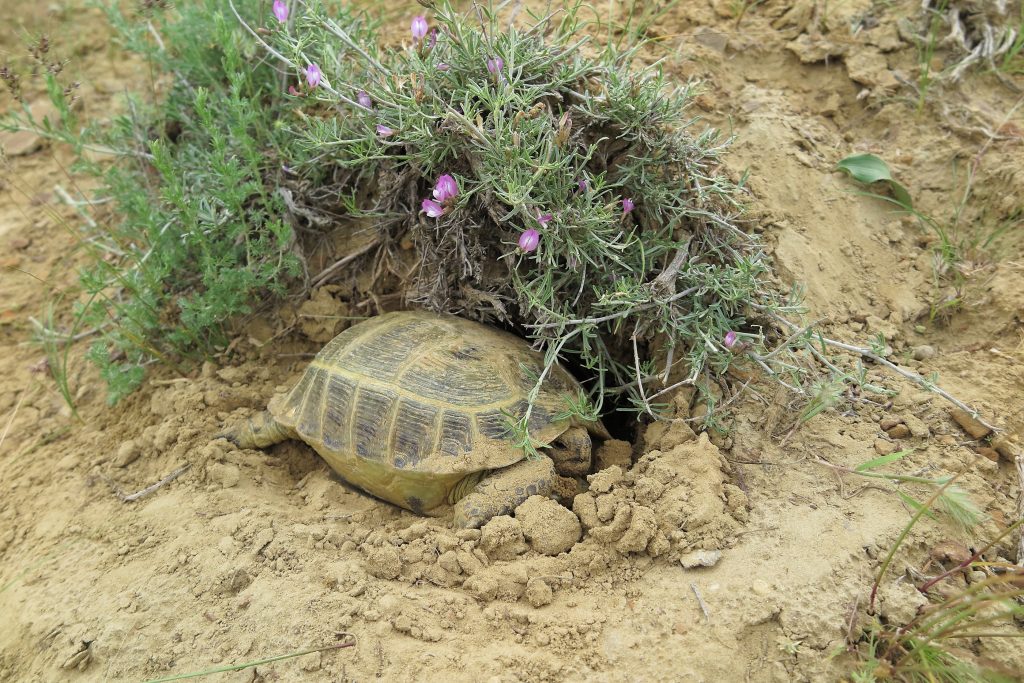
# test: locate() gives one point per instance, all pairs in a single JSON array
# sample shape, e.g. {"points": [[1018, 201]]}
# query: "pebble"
{"points": [[539, 593], [969, 424], [700, 558], [990, 453], [890, 421], [923, 352], [900, 431], [883, 447]]}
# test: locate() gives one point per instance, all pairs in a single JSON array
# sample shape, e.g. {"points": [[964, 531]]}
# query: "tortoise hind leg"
{"points": [[501, 492], [259, 431]]}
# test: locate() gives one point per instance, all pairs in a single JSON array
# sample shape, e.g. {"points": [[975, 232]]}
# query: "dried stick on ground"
{"points": [[1020, 509], [129, 497]]}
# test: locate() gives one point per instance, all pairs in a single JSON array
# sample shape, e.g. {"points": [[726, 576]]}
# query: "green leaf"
{"points": [[868, 169], [878, 462], [914, 504]]}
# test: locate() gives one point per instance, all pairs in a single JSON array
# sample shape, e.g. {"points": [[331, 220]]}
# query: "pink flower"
{"points": [[730, 339], [364, 100], [495, 64], [627, 206], [544, 218], [384, 131], [313, 75], [419, 27], [432, 208], [529, 240], [581, 185], [280, 10], [445, 188], [443, 67]]}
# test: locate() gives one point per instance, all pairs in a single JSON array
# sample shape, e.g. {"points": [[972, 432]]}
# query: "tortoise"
{"points": [[413, 407]]}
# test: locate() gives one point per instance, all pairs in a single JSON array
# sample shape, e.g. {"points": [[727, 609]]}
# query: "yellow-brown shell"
{"points": [[419, 396]]}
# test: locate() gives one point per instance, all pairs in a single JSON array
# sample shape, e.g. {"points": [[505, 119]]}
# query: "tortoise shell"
{"points": [[405, 404]]}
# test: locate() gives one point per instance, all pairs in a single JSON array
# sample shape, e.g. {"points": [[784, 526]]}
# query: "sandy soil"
{"points": [[250, 554]]}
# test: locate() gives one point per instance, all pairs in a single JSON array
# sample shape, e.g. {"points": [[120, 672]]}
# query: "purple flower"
{"points": [[432, 208], [313, 75], [364, 100], [730, 339], [627, 206], [443, 67], [581, 185], [445, 188], [495, 64], [529, 240], [432, 39], [280, 10], [384, 131], [419, 28], [544, 219]]}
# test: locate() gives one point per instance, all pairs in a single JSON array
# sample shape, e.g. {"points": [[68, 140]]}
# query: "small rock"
{"points": [[449, 562], [990, 453], [901, 431], [923, 352], [262, 540], [918, 429], [414, 531], [969, 424], [384, 562], [20, 243], [700, 558], [977, 576], [883, 447], [549, 528], [127, 453], [539, 593], [890, 421], [1005, 447]]}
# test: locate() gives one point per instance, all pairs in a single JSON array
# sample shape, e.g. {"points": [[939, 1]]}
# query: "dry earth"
{"points": [[250, 554]]}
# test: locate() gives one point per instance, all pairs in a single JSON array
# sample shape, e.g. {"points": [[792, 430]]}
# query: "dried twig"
{"points": [[127, 498], [328, 272], [700, 601], [1020, 508]]}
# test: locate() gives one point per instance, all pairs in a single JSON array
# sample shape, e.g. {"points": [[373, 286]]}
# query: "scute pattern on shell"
{"points": [[420, 393]]}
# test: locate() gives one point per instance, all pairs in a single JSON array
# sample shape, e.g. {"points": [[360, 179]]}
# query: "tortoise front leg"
{"points": [[502, 491], [259, 431], [571, 452]]}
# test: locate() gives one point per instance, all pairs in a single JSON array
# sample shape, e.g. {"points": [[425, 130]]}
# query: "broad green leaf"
{"points": [[882, 460], [868, 169]]}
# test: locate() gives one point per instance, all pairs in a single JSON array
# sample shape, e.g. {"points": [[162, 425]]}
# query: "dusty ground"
{"points": [[250, 554]]}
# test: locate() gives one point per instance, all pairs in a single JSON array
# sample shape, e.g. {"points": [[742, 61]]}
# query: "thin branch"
{"points": [[329, 272], [127, 498]]}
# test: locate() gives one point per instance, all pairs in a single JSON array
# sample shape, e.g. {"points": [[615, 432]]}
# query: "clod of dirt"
{"points": [[970, 425], [900, 602], [614, 452], [322, 317], [502, 538], [539, 593], [549, 528], [883, 447], [1005, 447], [383, 562], [924, 352], [127, 453], [700, 558]]}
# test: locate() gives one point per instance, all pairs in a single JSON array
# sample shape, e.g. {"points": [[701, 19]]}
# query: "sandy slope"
{"points": [[252, 554]]}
